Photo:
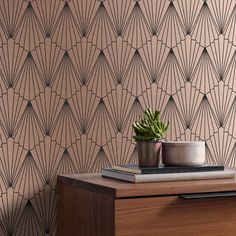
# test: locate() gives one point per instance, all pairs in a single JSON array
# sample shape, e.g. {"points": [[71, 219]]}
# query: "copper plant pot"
{"points": [[149, 153]]}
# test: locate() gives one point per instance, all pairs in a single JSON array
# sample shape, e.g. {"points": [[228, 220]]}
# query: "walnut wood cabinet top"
{"points": [[120, 189]]}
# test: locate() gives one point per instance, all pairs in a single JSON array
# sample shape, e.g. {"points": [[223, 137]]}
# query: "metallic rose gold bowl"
{"points": [[183, 153]]}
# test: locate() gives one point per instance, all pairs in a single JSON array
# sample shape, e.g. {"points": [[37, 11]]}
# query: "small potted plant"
{"points": [[148, 133]]}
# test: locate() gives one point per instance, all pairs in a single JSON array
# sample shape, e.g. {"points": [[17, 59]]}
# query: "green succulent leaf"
{"points": [[157, 115], [150, 126]]}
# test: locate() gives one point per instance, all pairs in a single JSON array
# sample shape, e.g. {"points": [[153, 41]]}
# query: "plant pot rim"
{"points": [[150, 141]]}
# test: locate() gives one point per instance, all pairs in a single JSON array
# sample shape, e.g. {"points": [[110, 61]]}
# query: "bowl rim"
{"points": [[184, 143]]}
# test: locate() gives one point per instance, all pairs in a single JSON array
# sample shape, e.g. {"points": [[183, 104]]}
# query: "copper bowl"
{"points": [[183, 153]]}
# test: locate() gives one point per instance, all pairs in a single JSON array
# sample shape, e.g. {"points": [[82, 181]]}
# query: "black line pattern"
{"points": [[74, 74]]}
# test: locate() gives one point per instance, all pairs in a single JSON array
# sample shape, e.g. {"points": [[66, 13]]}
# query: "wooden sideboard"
{"points": [[90, 205]]}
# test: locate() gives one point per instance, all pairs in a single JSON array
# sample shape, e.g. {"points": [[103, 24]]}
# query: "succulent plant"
{"points": [[150, 127]]}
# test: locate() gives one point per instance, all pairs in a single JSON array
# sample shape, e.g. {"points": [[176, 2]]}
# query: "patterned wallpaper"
{"points": [[75, 74]]}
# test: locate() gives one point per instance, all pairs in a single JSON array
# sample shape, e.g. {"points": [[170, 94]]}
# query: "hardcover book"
{"points": [[166, 169], [138, 178]]}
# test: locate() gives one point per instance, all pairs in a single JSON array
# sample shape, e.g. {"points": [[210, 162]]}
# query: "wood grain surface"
{"points": [[84, 213], [90, 205], [172, 216], [120, 189]]}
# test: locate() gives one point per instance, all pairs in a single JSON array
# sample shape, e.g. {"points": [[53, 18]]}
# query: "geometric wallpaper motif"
{"points": [[75, 74]]}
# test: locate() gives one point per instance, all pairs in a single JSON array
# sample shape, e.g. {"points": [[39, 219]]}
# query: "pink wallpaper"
{"points": [[75, 74]]}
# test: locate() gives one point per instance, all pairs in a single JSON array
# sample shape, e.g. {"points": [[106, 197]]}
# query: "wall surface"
{"points": [[75, 74]]}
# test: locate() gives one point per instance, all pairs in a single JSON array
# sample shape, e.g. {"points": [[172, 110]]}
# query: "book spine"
{"points": [[181, 170], [184, 176]]}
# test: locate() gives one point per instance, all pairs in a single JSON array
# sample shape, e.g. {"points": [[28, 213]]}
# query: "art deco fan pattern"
{"points": [[74, 75]]}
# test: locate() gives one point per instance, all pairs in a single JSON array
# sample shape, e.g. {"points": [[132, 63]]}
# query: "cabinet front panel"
{"points": [[84, 213], [167, 216]]}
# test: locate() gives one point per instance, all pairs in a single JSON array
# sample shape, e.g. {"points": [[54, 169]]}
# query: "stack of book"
{"points": [[135, 174]]}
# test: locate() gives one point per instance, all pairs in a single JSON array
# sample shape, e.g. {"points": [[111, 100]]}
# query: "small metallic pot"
{"points": [[148, 153]]}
